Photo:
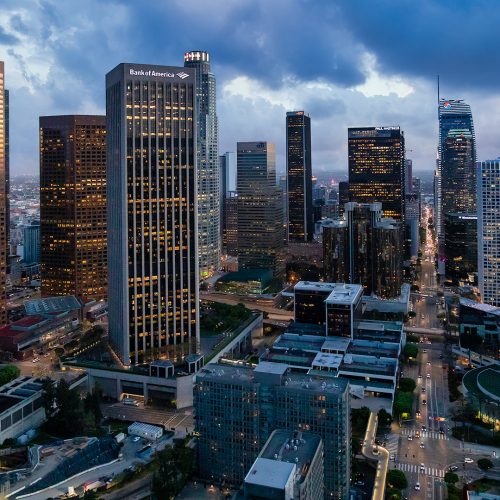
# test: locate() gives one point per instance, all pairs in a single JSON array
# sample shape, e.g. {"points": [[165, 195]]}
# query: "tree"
{"points": [[393, 494], [48, 396], [407, 384], [397, 479], [412, 314], [91, 405], [90, 495], [450, 478], [410, 350], [8, 373], [484, 463], [384, 418], [402, 402]]}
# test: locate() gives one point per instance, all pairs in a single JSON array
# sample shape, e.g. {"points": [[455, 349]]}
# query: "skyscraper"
{"points": [[152, 211], [377, 168], [7, 167], [31, 243], [73, 206], [227, 163], [364, 248], [488, 221], [457, 157], [299, 176], [209, 199], [3, 204], [260, 209]]}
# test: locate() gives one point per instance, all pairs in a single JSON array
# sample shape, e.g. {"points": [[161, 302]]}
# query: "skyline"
{"points": [[56, 62]]}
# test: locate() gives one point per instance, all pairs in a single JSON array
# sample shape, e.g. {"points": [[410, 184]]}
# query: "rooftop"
{"points": [[51, 305], [486, 308], [270, 473], [338, 293], [336, 344], [327, 360]]}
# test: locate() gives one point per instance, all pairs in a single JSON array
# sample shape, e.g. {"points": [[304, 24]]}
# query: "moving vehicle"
{"points": [[417, 434], [423, 390], [453, 468], [428, 375], [424, 401], [417, 486], [36, 360], [375, 451], [410, 438], [422, 445], [130, 402], [422, 467], [468, 460]]}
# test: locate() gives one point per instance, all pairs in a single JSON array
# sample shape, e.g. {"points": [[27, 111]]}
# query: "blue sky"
{"points": [[348, 63]]}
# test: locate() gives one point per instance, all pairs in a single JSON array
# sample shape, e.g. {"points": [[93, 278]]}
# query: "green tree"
{"points": [[384, 418], [412, 314], [402, 403], [396, 479], [90, 495], [393, 494], [8, 373], [484, 463], [359, 419], [411, 338], [48, 396], [450, 478], [410, 350], [407, 384]]}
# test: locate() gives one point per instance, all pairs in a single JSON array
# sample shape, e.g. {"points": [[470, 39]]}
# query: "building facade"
{"points": [[152, 212], [299, 176], [73, 206], [209, 189], [377, 168], [488, 231], [364, 248], [460, 245], [260, 209], [31, 243], [230, 231], [237, 409], [3, 203]]}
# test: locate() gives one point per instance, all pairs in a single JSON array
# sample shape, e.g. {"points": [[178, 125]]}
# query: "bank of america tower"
{"points": [[152, 221]]}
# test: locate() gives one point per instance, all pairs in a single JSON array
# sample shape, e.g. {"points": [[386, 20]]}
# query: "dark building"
{"points": [[260, 209], [73, 206], [299, 176], [152, 220], [343, 196], [377, 168], [3, 202], [7, 164], [227, 164], [364, 248], [460, 245], [208, 170], [230, 233]]}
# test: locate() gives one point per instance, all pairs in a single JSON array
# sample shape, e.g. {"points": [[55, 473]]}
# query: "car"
{"points": [[428, 362], [375, 451], [468, 460], [377, 441], [441, 356], [420, 376], [424, 401], [136, 439], [422, 467], [424, 350], [424, 428], [423, 390], [453, 468], [417, 434], [410, 438], [392, 457], [441, 430], [36, 360], [428, 375], [422, 445], [417, 486], [417, 414], [359, 483]]}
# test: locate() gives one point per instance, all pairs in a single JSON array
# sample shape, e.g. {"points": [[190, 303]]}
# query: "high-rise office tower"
{"points": [[377, 168], [73, 206], [299, 176], [237, 409], [3, 204], [260, 209], [227, 163], [343, 195], [7, 165], [460, 245], [230, 233], [209, 198], [457, 157], [31, 243], [364, 248], [488, 221], [152, 211]]}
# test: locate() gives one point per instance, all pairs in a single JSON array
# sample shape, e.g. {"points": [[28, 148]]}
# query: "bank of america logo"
{"points": [[182, 75]]}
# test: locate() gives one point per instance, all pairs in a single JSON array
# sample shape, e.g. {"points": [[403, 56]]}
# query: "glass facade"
{"points": [[152, 212], [489, 231], [377, 168], [73, 206], [3, 203], [209, 188], [299, 176], [260, 209]]}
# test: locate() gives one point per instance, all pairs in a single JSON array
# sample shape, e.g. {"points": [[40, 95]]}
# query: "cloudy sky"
{"points": [[346, 62]]}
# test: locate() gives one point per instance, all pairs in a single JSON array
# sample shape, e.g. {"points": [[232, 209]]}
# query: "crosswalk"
{"points": [[429, 471], [426, 434]]}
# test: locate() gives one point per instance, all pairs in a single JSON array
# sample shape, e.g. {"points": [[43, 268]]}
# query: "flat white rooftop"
{"points": [[327, 360], [337, 293], [269, 367], [336, 344], [270, 473]]}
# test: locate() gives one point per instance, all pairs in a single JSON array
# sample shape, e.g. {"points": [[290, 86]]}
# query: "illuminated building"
{"points": [[152, 218], [456, 159], [227, 163], [343, 196], [460, 246], [3, 203], [364, 248], [73, 206], [488, 222], [230, 231], [377, 168], [260, 209], [209, 197], [299, 176]]}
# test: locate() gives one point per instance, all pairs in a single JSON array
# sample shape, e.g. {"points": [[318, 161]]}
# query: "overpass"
{"points": [[425, 331], [250, 302]]}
